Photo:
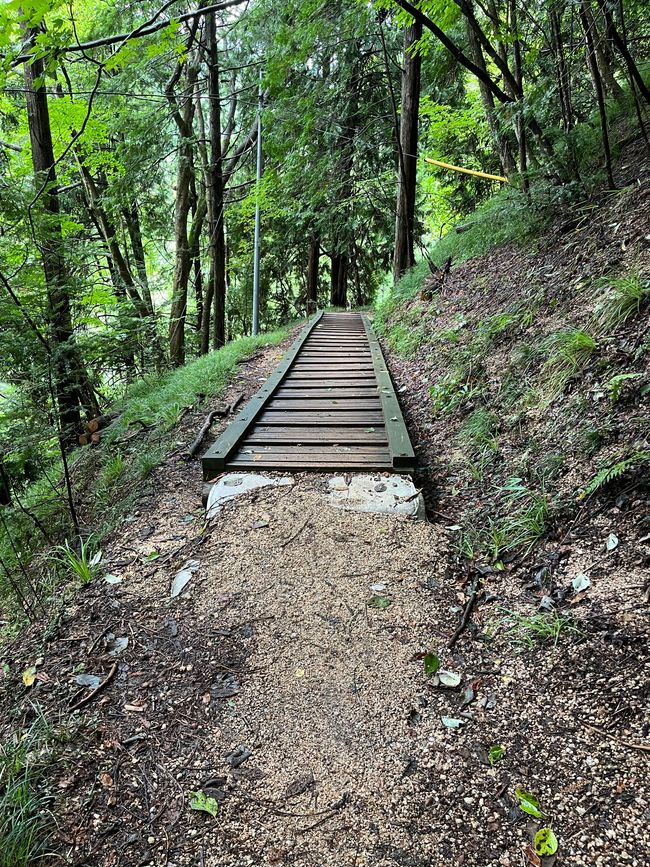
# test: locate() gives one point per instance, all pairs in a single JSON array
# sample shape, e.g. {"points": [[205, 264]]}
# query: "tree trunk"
{"points": [[216, 188], [72, 387], [500, 139], [404, 255], [521, 125], [132, 220], [602, 55], [598, 87], [312, 274]]}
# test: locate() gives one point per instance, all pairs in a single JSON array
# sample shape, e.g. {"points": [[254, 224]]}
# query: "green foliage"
{"points": [[622, 297], [495, 754], [25, 820], [83, 565], [568, 352], [610, 473], [545, 842], [480, 429], [541, 628], [617, 384], [528, 803]]}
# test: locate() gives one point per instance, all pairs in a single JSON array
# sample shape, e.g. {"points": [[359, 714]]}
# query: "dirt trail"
{"points": [[273, 649]]}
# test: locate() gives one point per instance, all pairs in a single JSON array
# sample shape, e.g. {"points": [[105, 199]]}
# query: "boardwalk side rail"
{"points": [[399, 443], [214, 460]]}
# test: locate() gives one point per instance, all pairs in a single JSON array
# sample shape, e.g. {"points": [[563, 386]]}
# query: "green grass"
{"points": [[25, 821], [622, 297], [542, 628], [82, 565], [159, 400], [568, 351], [109, 477]]}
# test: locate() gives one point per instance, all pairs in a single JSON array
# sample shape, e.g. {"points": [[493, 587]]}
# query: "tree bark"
{"points": [[598, 87], [404, 255], [501, 141], [216, 190], [132, 219], [72, 387], [312, 274]]}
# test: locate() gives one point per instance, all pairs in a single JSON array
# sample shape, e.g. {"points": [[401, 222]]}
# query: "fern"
{"points": [[606, 475]]}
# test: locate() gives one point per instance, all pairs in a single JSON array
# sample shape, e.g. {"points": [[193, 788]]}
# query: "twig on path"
{"points": [[330, 812], [645, 748], [91, 695], [193, 448], [295, 535], [469, 605]]}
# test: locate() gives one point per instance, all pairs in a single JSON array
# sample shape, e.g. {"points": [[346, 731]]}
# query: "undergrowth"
{"points": [[107, 480], [25, 821]]}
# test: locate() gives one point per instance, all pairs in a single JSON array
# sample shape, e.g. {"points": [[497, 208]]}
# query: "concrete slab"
{"points": [[382, 494], [234, 485]]}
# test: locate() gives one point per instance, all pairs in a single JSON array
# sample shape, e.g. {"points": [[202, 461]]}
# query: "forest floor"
{"points": [[273, 684]]}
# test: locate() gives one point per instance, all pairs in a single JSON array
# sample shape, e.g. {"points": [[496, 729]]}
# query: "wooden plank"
{"points": [[402, 454], [217, 454], [311, 404], [343, 391], [314, 451], [318, 382], [333, 374], [333, 417], [323, 434]]}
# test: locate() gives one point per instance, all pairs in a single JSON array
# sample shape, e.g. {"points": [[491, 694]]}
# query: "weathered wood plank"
{"points": [[216, 455], [401, 450]]}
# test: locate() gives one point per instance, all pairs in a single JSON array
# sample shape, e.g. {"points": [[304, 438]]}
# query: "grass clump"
{"points": [[82, 565], [568, 352], [542, 628], [25, 821], [622, 298]]}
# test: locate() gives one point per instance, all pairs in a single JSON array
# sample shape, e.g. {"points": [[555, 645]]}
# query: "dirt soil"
{"points": [[273, 685]]}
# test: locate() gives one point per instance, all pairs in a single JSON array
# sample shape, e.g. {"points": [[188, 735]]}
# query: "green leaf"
{"points": [[545, 842], [380, 602], [431, 663], [495, 754], [204, 803], [528, 803]]}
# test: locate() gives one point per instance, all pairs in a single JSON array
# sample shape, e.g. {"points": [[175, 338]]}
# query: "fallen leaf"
{"points": [[545, 842], [431, 663], [450, 679], [202, 802], [29, 675], [183, 577], [113, 579], [106, 780], [117, 645], [452, 723], [581, 582], [300, 672], [531, 857], [528, 803], [612, 542], [87, 680], [495, 754], [379, 602]]}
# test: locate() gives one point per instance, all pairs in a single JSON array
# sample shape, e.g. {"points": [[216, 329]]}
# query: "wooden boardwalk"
{"points": [[329, 405]]}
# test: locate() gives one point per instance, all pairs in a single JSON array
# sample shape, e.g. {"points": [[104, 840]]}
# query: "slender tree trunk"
{"points": [[404, 255], [312, 274], [132, 219], [602, 55], [521, 123], [216, 186], [500, 139], [563, 79], [598, 87], [620, 41], [72, 387]]}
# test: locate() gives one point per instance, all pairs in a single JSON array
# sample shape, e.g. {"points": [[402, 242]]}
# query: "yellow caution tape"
{"points": [[466, 171]]}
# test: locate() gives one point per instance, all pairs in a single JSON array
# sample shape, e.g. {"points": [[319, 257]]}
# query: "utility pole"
{"points": [[256, 255]]}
